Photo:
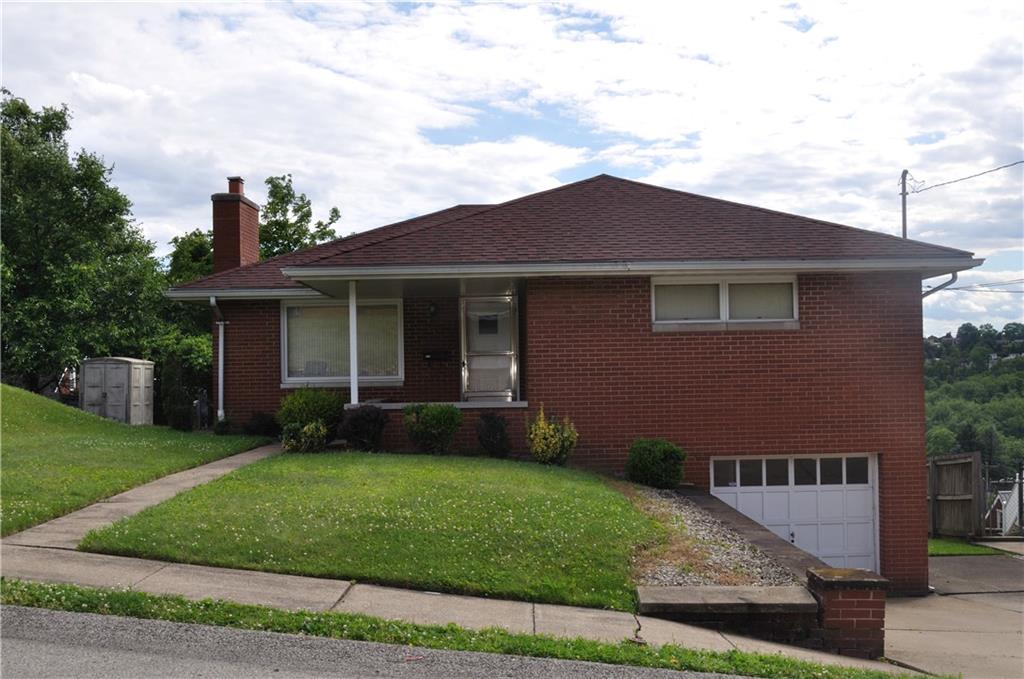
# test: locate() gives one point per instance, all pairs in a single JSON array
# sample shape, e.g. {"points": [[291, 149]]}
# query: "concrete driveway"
{"points": [[973, 625]]}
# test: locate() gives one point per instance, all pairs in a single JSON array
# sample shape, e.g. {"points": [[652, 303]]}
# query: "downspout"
{"points": [[220, 357], [952, 279]]}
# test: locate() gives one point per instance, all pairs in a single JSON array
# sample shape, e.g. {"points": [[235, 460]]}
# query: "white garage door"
{"points": [[824, 505]]}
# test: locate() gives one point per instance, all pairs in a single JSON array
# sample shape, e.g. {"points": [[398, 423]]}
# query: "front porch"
{"points": [[399, 341]]}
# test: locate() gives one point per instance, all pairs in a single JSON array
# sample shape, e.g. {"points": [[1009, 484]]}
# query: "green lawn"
{"points": [[55, 459], [476, 526], [954, 547], [452, 637]]}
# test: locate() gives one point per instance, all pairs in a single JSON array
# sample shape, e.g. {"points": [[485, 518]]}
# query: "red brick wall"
{"points": [[252, 371], [849, 381]]}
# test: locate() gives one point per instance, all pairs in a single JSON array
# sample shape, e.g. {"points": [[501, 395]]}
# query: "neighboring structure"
{"points": [[1003, 517], [118, 388], [783, 353]]}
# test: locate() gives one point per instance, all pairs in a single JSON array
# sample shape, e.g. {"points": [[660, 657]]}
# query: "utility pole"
{"points": [[903, 193]]}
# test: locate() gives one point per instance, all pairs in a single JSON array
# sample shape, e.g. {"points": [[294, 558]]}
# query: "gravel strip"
{"points": [[728, 552]]}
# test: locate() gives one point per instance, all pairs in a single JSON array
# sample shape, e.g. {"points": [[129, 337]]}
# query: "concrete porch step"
{"points": [[701, 600]]}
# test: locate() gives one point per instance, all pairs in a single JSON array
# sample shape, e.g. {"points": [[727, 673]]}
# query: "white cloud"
{"points": [[812, 108]]}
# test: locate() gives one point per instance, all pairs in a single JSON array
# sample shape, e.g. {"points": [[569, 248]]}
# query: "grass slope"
{"points": [[56, 459], [450, 637], [469, 525], [954, 547]]}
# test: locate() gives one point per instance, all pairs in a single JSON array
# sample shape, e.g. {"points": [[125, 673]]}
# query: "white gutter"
{"points": [[220, 357], [353, 348], [187, 294], [952, 279], [938, 264]]}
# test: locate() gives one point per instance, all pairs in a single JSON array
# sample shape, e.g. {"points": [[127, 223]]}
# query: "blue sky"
{"points": [[389, 111]]}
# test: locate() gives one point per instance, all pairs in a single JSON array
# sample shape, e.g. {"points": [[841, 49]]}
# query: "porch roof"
{"points": [[599, 226]]}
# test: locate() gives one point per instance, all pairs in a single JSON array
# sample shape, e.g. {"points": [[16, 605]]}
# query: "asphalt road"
{"points": [[41, 643]]}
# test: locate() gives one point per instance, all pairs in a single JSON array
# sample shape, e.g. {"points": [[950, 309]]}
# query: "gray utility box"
{"points": [[118, 388]]}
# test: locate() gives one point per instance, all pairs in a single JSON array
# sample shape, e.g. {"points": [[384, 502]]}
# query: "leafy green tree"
{"points": [[940, 441], [191, 257], [286, 220], [967, 336], [78, 277], [967, 439]]}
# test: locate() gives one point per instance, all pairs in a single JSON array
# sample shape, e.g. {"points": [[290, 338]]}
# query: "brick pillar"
{"points": [[236, 228], [851, 610]]}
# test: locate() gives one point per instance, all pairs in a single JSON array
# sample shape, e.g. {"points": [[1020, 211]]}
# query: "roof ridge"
{"points": [[485, 208], [845, 227]]}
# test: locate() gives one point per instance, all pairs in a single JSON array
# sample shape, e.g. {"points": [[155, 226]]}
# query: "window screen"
{"points": [[686, 302], [751, 301], [317, 341], [725, 473]]}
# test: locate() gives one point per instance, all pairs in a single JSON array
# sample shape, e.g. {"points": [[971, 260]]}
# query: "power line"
{"points": [[915, 189]]}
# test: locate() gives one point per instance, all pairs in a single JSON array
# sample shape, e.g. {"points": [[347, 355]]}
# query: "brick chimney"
{"points": [[236, 228]]}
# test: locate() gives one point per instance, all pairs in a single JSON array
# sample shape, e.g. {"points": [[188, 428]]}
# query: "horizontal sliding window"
{"points": [[686, 303], [724, 300], [316, 341]]}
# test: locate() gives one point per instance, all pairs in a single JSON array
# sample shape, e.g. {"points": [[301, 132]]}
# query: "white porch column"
{"points": [[353, 347]]}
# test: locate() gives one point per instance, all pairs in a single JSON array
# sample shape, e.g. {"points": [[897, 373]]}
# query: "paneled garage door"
{"points": [[823, 504]]}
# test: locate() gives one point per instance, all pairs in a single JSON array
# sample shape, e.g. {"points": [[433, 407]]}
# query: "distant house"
{"points": [[783, 353], [1003, 516]]}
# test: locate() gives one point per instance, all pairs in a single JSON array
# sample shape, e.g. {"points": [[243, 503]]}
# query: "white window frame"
{"points": [[342, 380], [723, 322]]}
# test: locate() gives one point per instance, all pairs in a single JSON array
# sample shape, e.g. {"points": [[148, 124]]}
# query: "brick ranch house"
{"points": [[783, 353]]}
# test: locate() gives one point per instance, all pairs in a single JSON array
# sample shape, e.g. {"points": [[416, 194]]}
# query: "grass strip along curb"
{"points": [[135, 604], [956, 547]]}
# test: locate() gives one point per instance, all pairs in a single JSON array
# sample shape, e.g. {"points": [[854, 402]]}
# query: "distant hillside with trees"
{"points": [[974, 394]]}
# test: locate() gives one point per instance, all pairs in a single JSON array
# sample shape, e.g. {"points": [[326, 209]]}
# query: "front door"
{"points": [[489, 336]]}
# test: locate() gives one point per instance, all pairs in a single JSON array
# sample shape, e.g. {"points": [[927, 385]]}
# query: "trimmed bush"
{"points": [[262, 424], [551, 442], [363, 427], [305, 406], [492, 434], [432, 426], [223, 427], [309, 438], [655, 462]]}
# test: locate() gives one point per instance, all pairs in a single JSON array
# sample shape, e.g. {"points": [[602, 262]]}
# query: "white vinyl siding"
{"points": [[315, 346], [718, 303]]}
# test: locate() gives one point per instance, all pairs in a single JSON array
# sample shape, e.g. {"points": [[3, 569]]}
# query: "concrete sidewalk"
{"points": [[47, 553], [67, 531]]}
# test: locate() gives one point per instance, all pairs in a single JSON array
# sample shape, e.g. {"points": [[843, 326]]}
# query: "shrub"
{"points": [[363, 427], [308, 438], [655, 462], [492, 434], [432, 426], [551, 442], [176, 398], [262, 424], [305, 406]]}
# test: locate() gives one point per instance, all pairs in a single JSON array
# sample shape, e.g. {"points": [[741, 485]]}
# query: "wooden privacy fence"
{"points": [[956, 496]]}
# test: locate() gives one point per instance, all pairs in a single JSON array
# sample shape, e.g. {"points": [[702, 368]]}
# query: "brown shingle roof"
{"points": [[600, 219]]}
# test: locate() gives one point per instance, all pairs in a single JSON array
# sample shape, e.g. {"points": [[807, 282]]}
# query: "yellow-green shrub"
{"points": [[551, 442]]}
